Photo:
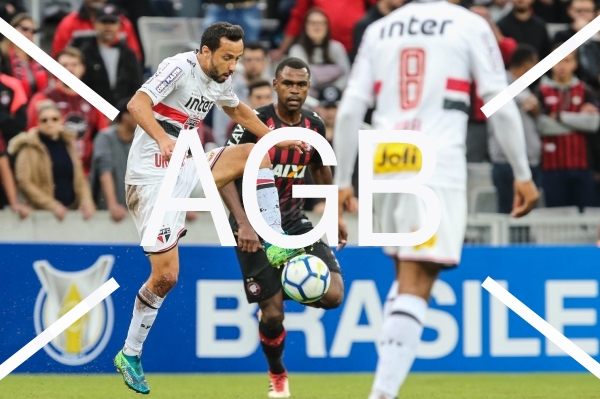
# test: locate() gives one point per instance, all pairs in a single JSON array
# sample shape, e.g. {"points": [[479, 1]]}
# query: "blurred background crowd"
{"points": [[59, 153]]}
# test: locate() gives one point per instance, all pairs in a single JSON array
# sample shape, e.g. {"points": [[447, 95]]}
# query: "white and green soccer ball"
{"points": [[305, 278]]}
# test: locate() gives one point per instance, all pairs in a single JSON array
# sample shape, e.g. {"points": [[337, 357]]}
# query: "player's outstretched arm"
{"points": [[247, 238], [245, 116]]}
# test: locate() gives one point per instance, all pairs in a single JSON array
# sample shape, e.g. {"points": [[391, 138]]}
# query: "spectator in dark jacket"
{"points": [[581, 12], [525, 27], [379, 10], [13, 107], [112, 69], [80, 24]]}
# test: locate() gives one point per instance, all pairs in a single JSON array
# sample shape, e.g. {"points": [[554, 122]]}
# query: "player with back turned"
{"points": [[415, 66], [262, 282]]}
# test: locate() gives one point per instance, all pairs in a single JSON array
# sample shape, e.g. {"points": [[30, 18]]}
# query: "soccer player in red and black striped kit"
{"points": [[262, 282]]}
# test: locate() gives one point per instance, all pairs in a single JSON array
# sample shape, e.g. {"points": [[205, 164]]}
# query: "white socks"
{"points": [[144, 313], [400, 337], [268, 199], [389, 299]]}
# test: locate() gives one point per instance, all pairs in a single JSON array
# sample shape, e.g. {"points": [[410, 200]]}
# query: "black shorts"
{"points": [[262, 281]]}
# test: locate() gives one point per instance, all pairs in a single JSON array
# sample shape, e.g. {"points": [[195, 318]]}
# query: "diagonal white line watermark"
{"points": [[542, 326], [57, 70], [58, 327], [541, 67]]}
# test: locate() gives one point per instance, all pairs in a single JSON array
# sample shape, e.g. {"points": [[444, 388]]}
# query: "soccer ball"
{"points": [[305, 278]]}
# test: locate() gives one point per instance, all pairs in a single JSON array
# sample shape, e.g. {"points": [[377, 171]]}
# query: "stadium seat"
{"points": [[168, 48], [267, 25], [484, 200], [553, 28], [478, 175], [155, 29]]}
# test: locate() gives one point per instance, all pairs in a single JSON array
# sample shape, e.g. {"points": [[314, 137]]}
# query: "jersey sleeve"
{"points": [[361, 82], [168, 77], [240, 135], [320, 128], [228, 97], [486, 61]]}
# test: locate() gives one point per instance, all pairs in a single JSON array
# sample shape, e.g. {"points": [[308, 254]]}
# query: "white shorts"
{"points": [[405, 213], [141, 200]]}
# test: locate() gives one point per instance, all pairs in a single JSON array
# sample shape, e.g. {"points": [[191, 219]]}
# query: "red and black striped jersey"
{"points": [[569, 151], [289, 166]]}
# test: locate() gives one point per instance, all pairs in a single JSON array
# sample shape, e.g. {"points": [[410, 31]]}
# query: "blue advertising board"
{"points": [[206, 325]]}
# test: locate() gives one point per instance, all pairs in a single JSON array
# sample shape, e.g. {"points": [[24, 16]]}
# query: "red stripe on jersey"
{"points": [[377, 87], [264, 181], [458, 85], [170, 113]]}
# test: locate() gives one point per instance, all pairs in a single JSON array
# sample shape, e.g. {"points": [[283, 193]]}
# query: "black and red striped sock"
{"points": [[272, 340]]}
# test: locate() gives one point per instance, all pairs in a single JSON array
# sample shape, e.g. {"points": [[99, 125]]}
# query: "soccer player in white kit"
{"points": [[177, 97], [415, 66]]}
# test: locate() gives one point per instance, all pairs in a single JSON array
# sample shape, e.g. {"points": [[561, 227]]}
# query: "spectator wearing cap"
{"points": [[239, 12], [329, 99], [327, 58], [80, 24], [17, 63], [111, 67], [109, 163]]}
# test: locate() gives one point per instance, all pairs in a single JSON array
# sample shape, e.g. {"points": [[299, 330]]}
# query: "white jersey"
{"points": [[416, 66], [182, 94]]}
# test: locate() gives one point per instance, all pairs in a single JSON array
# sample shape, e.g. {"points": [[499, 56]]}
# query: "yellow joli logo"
{"points": [[397, 157]]}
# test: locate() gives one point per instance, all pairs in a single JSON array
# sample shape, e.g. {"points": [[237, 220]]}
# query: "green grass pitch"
{"points": [[304, 386]]}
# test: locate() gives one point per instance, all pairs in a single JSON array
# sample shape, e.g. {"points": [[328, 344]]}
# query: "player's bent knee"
{"points": [[272, 317], [162, 283]]}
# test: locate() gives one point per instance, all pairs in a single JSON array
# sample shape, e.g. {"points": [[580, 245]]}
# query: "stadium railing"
{"points": [[551, 226]]}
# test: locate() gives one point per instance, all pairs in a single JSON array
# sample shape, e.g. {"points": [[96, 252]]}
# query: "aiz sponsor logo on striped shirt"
{"points": [[289, 171], [171, 78]]}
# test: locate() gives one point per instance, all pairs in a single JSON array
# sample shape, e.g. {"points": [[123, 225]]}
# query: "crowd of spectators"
{"points": [[57, 152]]}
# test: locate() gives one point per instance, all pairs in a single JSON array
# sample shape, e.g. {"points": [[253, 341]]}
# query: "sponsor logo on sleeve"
{"points": [[171, 78]]}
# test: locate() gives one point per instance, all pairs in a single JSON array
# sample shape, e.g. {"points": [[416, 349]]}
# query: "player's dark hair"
{"points": [[522, 54], [256, 46], [292, 62], [257, 84], [308, 45], [212, 35]]}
